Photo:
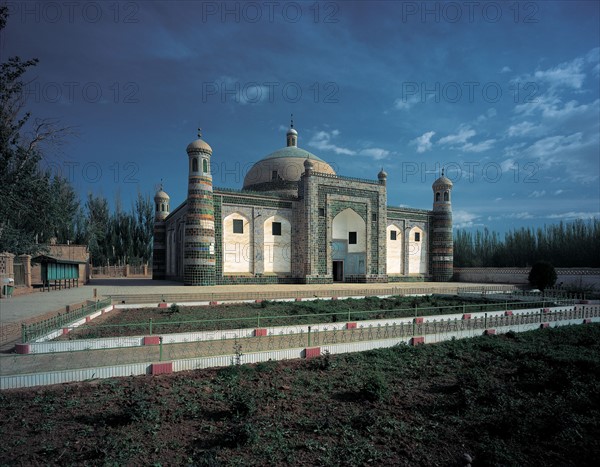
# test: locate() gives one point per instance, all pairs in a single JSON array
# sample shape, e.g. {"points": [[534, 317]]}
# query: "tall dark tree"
{"points": [[570, 244], [29, 214]]}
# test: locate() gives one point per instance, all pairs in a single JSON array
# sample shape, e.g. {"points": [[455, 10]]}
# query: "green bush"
{"points": [[542, 275], [375, 387]]}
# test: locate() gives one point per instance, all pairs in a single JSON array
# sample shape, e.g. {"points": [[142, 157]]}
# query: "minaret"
{"points": [[199, 235], [161, 211], [441, 239]]}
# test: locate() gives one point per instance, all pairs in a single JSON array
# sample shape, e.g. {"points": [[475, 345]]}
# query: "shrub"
{"points": [[542, 275], [374, 387]]}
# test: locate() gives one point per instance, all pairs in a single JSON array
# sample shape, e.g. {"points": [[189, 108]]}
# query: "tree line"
{"points": [[566, 244], [37, 206]]}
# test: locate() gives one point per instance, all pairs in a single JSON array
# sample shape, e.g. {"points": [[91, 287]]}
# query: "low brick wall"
{"points": [[576, 276]]}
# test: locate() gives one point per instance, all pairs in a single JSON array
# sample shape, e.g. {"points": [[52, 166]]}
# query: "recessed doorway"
{"points": [[338, 271]]}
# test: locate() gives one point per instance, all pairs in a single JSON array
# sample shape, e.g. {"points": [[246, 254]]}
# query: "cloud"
{"points": [[558, 192], [505, 69], [462, 219], [423, 142], [571, 215], [521, 129], [568, 74], [551, 106], [479, 147], [322, 141], [242, 93], [537, 194], [512, 215], [461, 137], [508, 164], [543, 149], [402, 103], [375, 153]]}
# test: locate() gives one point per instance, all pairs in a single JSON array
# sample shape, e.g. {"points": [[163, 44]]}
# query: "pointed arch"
{"points": [[394, 247], [417, 251], [347, 222], [348, 245], [237, 246], [277, 245]]}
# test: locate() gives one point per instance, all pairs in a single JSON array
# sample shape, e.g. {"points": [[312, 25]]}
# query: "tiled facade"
{"points": [[321, 200]]}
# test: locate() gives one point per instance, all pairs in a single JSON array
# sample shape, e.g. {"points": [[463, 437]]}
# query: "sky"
{"points": [[503, 95]]}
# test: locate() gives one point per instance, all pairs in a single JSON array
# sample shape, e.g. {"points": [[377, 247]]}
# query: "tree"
{"points": [[542, 275], [29, 212]]}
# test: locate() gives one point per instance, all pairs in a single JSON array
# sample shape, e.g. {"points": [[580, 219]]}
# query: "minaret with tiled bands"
{"points": [[442, 246], [159, 265], [199, 235]]}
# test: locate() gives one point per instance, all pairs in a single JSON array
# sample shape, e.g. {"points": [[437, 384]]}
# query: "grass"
{"points": [[525, 399]]}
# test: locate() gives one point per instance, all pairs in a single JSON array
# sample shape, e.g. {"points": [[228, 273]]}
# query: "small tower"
{"points": [[161, 211], [382, 177], [442, 248], [292, 135], [199, 234]]}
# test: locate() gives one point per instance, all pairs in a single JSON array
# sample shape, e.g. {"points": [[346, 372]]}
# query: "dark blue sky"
{"points": [[505, 95]]}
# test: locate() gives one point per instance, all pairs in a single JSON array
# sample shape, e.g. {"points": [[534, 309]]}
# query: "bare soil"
{"points": [[526, 399]]}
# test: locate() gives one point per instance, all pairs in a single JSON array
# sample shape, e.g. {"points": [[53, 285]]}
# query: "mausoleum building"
{"points": [[296, 220]]}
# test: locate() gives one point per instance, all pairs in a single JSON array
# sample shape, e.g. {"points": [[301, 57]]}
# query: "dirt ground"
{"points": [[519, 399]]}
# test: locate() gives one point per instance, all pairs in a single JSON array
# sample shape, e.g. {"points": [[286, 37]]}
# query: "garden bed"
{"points": [[181, 319], [516, 399]]}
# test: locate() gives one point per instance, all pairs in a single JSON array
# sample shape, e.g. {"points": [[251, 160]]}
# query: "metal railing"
{"points": [[259, 320], [308, 293], [30, 332]]}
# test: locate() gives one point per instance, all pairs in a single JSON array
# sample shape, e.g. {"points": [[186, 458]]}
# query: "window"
{"points": [[276, 228], [157, 206], [194, 165], [446, 196], [274, 175], [393, 235], [321, 212], [204, 166], [162, 207], [437, 196], [352, 238], [374, 217], [417, 236], [238, 226]]}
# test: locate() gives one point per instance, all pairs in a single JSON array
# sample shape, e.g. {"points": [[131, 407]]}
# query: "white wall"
{"points": [[237, 248], [394, 250], [349, 221], [417, 252], [277, 248]]}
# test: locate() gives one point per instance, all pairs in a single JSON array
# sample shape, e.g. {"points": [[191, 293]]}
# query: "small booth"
{"points": [[58, 273]]}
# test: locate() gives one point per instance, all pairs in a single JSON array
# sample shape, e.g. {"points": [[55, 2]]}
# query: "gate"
{"points": [[19, 273]]}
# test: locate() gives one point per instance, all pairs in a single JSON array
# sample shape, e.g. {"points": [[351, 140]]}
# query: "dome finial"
{"points": [[442, 171], [199, 132], [292, 135]]}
